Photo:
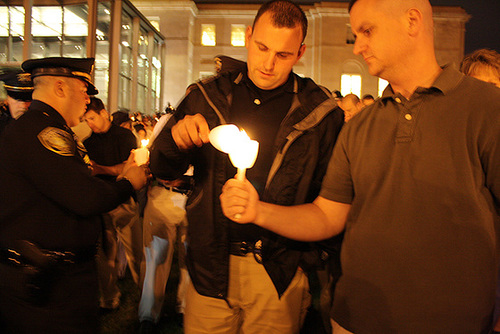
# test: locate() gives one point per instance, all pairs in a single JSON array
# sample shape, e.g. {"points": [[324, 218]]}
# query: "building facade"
{"points": [[127, 48], [196, 32]]}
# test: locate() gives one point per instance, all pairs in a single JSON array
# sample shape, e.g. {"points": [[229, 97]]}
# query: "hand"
{"points": [[137, 175], [239, 201], [191, 131]]}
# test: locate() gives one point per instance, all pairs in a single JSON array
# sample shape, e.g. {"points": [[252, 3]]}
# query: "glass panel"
{"points": [[16, 14], [74, 47], [238, 34], [141, 99], [47, 21], [142, 59], [4, 21], [126, 46], [208, 34], [75, 20], [124, 93], [101, 69]]}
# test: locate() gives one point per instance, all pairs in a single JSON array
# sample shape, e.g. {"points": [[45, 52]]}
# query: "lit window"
{"points": [[350, 83], [381, 86], [208, 34], [238, 34]]}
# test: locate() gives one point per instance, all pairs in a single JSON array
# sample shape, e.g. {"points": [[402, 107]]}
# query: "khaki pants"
{"points": [[164, 226], [255, 306], [123, 223]]}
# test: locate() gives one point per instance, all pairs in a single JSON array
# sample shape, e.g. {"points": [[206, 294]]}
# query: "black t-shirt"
{"points": [[110, 148], [259, 112]]}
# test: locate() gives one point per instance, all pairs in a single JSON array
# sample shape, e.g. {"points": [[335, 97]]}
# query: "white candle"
{"points": [[141, 155]]}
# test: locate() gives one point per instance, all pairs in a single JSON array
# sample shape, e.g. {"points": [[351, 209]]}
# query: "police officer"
{"points": [[19, 90], [50, 206]]}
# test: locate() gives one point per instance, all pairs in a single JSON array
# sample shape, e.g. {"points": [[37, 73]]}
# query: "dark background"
{"points": [[481, 31]]}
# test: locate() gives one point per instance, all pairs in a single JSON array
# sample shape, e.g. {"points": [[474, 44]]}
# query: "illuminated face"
{"points": [[77, 100], [350, 109], [380, 37], [98, 122], [272, 52], [17, 107]]}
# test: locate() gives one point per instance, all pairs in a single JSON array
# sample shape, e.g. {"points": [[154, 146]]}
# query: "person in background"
{"points": [[51, 206], [245, 278], [414, 182], [109, 146], [164, 229], [351, 105], [19, 88], [482, 64], [367, 100]]}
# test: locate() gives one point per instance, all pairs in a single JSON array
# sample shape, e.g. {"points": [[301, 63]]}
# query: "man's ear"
{"points": [[60, 88], [248, 34], [301, 52], [414, 21]]}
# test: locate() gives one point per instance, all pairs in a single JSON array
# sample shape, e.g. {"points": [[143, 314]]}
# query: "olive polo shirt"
{"points": [[422, 175]]}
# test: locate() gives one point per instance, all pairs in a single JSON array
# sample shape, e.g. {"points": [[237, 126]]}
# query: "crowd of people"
{"points": [[397, 198]]}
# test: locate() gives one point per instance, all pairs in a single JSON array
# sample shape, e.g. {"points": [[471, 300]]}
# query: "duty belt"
{"points": [[28, 254], [242, 248]]}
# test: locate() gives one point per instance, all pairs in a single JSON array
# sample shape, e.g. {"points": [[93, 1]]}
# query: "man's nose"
{"points": [[270, 61]]}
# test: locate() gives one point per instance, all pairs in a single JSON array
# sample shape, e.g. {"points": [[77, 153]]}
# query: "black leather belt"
{"points": [[176, 190], [242, 248]]}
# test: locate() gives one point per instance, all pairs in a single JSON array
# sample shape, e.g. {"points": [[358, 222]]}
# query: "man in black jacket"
{"points": [[245, 278], [50, 207]]}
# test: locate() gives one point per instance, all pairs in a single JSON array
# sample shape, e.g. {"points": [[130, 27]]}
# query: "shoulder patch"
{"points": [[58, 141]]}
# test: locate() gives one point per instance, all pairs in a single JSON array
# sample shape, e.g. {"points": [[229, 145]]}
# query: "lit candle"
{"points": [[141, 155], [241, 149]]}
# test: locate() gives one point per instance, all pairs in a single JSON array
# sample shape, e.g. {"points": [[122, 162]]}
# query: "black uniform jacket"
{"points": [[47, 193], [302, 149]]}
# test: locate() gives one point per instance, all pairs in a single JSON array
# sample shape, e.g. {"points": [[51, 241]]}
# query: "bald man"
{"points": [[413, 181], [351, 105]]}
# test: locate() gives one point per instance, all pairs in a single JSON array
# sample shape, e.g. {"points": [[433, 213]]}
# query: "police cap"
{"points": [[17, 83], [80, 68]]}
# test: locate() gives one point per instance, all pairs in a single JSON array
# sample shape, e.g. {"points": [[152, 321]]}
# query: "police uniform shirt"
{"points": [[48, 195]]}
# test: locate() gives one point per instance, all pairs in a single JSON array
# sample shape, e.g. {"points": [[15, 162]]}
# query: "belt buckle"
{"points": [[257, 251]]}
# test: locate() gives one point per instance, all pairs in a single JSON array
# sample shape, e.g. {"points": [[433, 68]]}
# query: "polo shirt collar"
{"points": [[447, 81]]}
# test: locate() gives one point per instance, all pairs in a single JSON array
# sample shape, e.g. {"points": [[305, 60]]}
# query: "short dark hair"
{"points": [[351, 3], [284, 13], [95, 105], [368, 96]]}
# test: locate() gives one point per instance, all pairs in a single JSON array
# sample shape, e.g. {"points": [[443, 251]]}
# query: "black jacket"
{"points": [[48, 195], [303, 148]]}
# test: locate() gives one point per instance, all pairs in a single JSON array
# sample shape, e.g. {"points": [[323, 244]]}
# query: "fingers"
{"points": [[235, 200], [191, 131]]}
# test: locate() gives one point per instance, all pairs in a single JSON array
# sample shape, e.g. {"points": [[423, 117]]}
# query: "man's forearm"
{"points": [[305, 222]]}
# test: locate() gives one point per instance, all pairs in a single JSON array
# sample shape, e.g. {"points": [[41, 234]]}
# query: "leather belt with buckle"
{"points": [[242, 248]]}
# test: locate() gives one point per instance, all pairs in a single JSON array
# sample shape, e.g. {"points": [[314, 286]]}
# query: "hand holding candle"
{"points": [[241, 149], [142, 154]]}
